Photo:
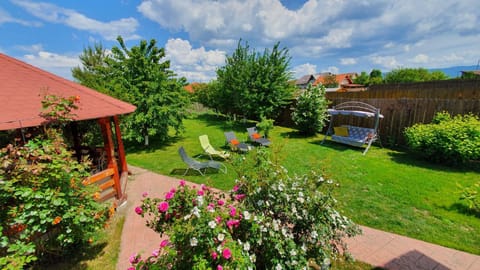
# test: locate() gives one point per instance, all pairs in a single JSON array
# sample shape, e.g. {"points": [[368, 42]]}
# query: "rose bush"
{"points": [[269, 220]]}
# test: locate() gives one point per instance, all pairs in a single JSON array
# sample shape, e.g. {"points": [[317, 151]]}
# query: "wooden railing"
{"points": [[106, 182]]}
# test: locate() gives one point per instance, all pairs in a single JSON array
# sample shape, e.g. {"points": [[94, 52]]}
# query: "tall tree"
{"points": [[254, 84], [139, 75]]}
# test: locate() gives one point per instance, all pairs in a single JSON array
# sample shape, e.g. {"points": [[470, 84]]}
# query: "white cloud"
{"points": [[60, 65], [388, 62], [304, 69], [348, 61], [5, 17], [194, 64], [126, 27], [420, 58], [333, 70]]}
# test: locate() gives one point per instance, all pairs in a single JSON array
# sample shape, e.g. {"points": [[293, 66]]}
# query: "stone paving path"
{"points": [[375, 247]]}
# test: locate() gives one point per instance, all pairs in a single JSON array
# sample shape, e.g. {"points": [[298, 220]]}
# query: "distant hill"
{"points": [[454, 72]]}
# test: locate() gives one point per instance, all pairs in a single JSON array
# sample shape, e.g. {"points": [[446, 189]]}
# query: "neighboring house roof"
{"points": [[191, 87], [305, 79], [23, 86], [346, 78], [476, 72]]}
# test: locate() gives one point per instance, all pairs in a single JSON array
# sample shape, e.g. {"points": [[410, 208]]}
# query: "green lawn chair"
{"points": [[209, 150]]}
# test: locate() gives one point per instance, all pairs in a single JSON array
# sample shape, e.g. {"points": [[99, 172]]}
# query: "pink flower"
{"points": [[163, 207], [220, 202], [169, 196], [144, 194], [204, 187], [131, 268], [240, 196], [233, 211], [235, 188], [219, 267], [173, 190], [233, 223], [200, 193], [182, 183], [210, 207], [138, 210], [135, 258], [214, 255], [164, 243], [155, 253], [226, 253], [218, 219]]}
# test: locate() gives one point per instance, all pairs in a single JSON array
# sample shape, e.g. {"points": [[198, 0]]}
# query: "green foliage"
{"points": [[208, 95], [404, 75], [141, 76], [469, 75], [59, 109], [471, 195], [310, 112], [265, 125], [269, 220], [44, 207], [375, 77], [254, 84], [447, 139]]}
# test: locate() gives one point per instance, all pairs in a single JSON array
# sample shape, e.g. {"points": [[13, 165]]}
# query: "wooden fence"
{"points": [[406, 104]]}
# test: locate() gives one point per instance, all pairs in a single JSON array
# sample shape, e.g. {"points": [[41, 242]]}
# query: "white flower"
{"points": [[200, 200], [246, 215], [196, 212], [219, 248], [300, 194], [193, 242], [300, 199], [220, 237], [293, 252], [278, 267], [275, 225], [212, 224], [253, 258], [314, 235], [304, 248], [246, 246], [260, 203], [187, 217]]}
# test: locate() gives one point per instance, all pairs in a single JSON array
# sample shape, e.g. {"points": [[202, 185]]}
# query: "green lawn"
{"points": [[385, 189]]}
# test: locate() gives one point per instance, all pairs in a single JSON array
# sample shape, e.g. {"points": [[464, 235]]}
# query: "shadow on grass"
{"points": [[411, 159], [336, 146], [76, 260], [462, 209], [156, 143], [224, 122]]}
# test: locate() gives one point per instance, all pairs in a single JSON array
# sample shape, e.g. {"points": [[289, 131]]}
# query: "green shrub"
{"points": [[269, 221], [471, 195], [447, 139], [310, 112], [265, 125], [44, 207]]}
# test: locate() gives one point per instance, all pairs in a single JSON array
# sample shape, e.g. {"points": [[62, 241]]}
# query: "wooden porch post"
{"points": [[110, 151], [121, 149]]}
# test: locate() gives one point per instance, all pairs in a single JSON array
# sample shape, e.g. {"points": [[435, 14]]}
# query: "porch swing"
{"points": [[354, 135]]}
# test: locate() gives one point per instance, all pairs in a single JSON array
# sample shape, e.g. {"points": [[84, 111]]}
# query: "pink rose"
{"points": [[164, 243], [239, 197], [144, 194], [220, 202], [233, 223], [235, 188], [135, 258], [200, 193], [173, 190], [169, 196], [233, 211], [219, 267], [163, 207], [182, 183], [226, 253], [218, 219], [155, 253], [210, 207], [131, 268], [138, 210], [214, 255]]}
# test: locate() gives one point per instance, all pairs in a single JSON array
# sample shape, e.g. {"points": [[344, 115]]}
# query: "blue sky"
{"points": [[335, 35]]}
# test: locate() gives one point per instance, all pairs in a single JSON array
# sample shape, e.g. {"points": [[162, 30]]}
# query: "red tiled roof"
{"points": [[23, 86], [340, 78]]}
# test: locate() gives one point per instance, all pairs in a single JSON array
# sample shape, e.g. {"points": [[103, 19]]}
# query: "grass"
{"points": [[101, 254], [386, 189]]}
